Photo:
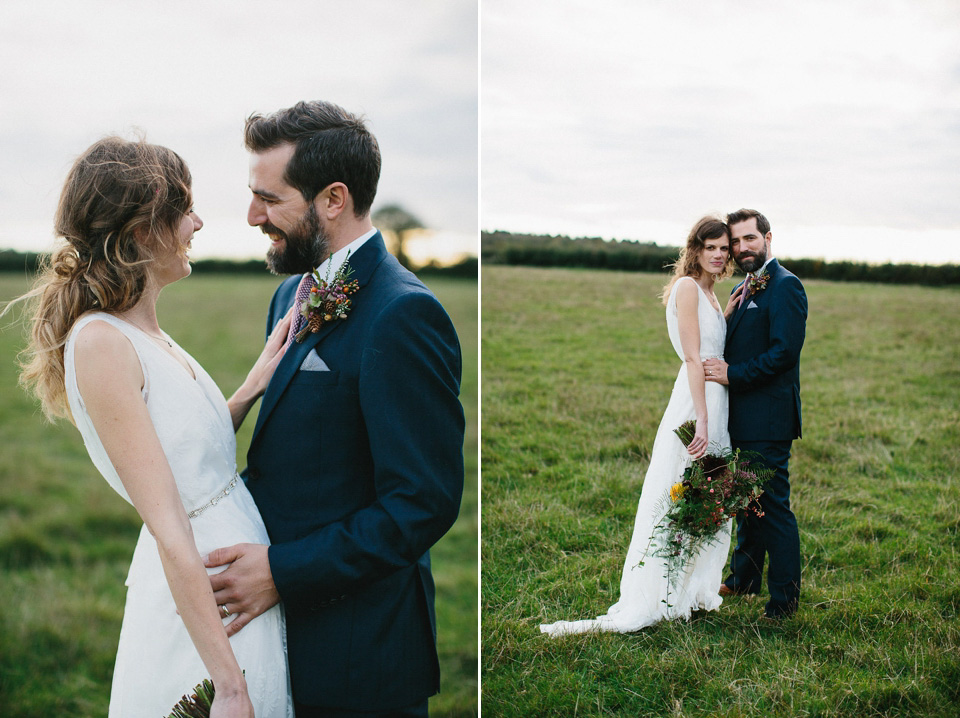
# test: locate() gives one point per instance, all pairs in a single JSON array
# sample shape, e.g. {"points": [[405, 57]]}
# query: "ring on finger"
{"points": [[224, 611]]}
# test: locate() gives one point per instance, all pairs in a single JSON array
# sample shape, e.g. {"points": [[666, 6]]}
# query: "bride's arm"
{"points": [[688, 321], [110, 381], [258, 378]]}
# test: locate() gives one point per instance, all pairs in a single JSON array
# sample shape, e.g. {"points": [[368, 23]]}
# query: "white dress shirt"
{"points": [[336, 260]]}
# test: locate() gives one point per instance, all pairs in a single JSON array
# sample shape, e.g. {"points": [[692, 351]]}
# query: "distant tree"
{"points": [[401, 224]]}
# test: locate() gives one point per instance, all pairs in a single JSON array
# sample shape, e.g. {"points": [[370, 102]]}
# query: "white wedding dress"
{"points": [[157, 662], [643, 589]]}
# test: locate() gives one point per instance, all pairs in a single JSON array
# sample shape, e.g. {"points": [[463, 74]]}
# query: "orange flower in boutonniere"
{"points": [[758, 282], [329, 300]]}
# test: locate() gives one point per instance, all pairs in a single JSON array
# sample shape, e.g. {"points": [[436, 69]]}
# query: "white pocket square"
{"points": [[313, 362], [752, 305]]}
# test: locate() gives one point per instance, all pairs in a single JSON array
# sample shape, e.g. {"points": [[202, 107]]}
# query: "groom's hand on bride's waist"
{"points": [[246, 587], [715, 370]]}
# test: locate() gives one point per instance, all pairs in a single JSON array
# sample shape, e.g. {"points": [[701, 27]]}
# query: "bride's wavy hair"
{"points": [[688, 263], [121, 206]]}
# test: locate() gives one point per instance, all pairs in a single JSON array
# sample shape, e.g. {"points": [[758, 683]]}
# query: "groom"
{"points": [[764, 339], [356, 460]]}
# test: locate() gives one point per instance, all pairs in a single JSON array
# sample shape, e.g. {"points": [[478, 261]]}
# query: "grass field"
{"points": [[577, 370], [66, 539]]}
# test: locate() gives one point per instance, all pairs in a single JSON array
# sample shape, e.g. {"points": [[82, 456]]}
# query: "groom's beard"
{"points": [[305, 246], [750, 261]]}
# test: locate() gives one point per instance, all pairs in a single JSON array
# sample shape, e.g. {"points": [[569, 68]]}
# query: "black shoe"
{"points": [[780, 612]]}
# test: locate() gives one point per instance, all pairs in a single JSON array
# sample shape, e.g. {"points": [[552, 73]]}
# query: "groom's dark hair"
{"points": [[741, 215], [331, 145]]}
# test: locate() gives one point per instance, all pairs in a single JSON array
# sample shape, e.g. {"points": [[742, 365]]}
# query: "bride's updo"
{"points": [[121, 204], [688, 263]]}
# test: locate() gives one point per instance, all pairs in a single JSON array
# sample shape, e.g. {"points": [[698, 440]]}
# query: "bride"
{"points": [[156, 427], [697, 329]]}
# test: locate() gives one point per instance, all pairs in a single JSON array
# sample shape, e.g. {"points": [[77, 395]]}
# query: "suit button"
{"points": [[253, 474]]}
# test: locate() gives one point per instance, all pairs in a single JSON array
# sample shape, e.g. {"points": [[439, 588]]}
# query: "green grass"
{"points": [[577, 370], [66, 539]]}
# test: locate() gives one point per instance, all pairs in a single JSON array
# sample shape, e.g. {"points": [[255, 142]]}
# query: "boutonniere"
{"points": [[329, 300], [758, 282]]}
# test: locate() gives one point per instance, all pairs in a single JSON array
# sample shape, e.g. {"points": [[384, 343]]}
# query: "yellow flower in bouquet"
{"points": [[677, 491]]}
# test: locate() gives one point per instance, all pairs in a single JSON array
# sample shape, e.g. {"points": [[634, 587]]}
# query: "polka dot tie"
{"points": [[303, 291]]}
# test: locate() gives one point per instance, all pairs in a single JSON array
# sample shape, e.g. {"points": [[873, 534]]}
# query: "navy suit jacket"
{"points": [[763, 352], [357, 472]]}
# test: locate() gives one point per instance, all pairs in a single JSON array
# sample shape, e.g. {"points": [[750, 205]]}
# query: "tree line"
{"points": [[29, 262], [398, 224], [501, 247]]}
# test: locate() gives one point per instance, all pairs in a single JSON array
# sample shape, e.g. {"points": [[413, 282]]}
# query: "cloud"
{"points": [[658, 112], [188, 74]]}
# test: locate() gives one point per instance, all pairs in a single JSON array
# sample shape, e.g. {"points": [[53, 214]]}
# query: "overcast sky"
{"points": [[839, 119], [187, 73]]}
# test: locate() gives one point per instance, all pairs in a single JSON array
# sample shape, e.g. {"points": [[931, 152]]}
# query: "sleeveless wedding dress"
{"points": [[157, 662], [643, 589]]}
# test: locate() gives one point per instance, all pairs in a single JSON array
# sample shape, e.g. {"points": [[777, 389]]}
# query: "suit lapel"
{"points": [[364, 262], [735, 319], [771, 269]]}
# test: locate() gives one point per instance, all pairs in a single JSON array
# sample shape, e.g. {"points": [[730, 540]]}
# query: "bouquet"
{"points": [[711, 490], [196, 705]]}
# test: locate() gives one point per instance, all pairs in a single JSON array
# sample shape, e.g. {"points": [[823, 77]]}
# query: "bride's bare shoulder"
{"points": [[686, 291], [97, 332], [103, 353]]}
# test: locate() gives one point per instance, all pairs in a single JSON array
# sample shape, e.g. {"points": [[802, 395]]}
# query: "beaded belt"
{"points": [[216, 499]]}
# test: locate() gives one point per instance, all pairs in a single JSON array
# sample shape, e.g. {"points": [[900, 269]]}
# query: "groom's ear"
{"points": [[332, 200]]}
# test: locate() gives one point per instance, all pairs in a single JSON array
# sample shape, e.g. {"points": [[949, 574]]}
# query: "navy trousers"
{"points": [[775, 534]]}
